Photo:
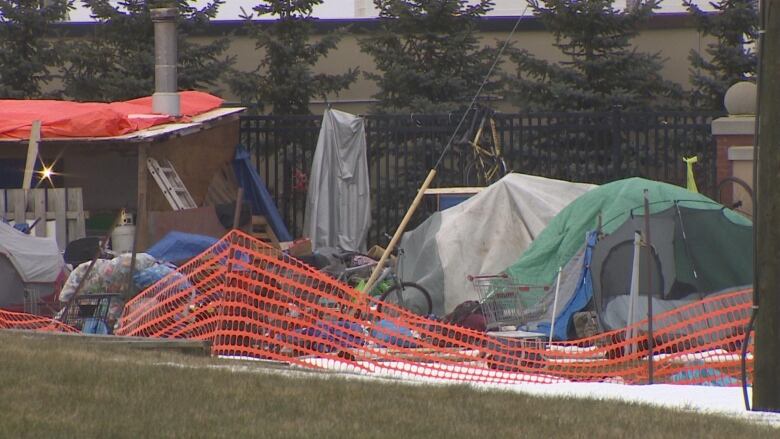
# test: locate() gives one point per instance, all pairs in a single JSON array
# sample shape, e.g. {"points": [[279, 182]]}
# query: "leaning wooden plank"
{"points": [[3, 210], [32, 154], [57, 203], [20, 205], [39, 210], [76, 229]]}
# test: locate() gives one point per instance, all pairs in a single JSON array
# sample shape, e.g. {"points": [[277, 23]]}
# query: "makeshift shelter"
{"points": [[481, 235], [338, 207], [103, 149], [29, 268], [719, 248]]}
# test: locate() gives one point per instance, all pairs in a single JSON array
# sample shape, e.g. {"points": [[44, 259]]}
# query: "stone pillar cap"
{"points": [[163, 14], [740, 99]]}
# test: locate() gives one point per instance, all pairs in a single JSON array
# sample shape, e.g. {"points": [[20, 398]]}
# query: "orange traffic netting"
{"points": [[18, 320], [253, 301]]}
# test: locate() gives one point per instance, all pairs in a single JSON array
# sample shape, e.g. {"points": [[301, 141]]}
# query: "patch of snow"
{"points": [[725, 401]]}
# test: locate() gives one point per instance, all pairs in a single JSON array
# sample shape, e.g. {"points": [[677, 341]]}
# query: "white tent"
{"points": [[26, 262], [484, 234]]}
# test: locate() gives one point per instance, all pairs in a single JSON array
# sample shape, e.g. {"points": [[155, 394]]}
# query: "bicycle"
{"points": [[407, 295], [485, 164]]}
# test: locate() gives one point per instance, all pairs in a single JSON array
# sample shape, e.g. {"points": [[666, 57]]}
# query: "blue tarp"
{"points": [[256, 194], [578, 300], [178, 247]]}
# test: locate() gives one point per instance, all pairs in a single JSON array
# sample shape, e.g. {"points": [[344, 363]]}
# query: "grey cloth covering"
{"points": [[35, 259], [338, 207], [482, 235]]}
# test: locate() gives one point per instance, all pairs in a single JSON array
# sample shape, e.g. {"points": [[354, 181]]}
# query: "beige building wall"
{"points": [[672, 35], [673, 44]]}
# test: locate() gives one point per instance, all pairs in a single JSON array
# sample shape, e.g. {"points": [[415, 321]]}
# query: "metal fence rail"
{"points": [[583, 147]]}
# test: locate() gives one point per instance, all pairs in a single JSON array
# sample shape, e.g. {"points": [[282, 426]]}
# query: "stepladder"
{"points": [[170, 183]]}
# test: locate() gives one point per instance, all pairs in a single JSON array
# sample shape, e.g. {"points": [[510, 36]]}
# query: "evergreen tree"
{"points": [[427, 54], [284, 77], [116, 62], [27, 52], [600, 69], [734, 26]]}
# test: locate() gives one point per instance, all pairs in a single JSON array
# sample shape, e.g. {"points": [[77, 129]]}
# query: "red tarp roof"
{"points": [[93, 119]]}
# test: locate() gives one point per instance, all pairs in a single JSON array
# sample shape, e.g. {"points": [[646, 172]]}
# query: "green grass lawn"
{"points": [[63, 388]]}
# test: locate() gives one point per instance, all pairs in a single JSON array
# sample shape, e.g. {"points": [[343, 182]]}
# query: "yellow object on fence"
{"points": [[691, 181]]}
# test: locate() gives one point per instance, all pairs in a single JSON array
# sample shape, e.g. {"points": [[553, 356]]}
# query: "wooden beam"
{"points": [[766, 382], [141, 217], [197, 347], [32, 153]]}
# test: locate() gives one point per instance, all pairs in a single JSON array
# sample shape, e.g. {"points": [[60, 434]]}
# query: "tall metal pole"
{"points": [[766, 382], [649, 251]]}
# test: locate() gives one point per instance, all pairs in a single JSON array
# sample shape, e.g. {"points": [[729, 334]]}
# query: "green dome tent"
{"points": [[719, 237]]}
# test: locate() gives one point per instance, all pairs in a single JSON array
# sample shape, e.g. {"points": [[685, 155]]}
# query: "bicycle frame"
{"points": [[487, 162]]}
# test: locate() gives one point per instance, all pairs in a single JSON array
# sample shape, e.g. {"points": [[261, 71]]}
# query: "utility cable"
{"points": [[481, 87]]}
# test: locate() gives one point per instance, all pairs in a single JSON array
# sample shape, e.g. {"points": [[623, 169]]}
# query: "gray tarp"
{"points": [[482, 235], [338, 209]]}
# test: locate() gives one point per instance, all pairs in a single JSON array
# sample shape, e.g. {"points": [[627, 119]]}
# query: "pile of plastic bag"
{"points": [[111, 276]]}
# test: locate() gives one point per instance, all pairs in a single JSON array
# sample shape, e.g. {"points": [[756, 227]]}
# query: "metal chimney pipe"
{"points": [[166, 97]]}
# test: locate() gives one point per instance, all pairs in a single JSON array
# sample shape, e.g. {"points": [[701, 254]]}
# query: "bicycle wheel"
{"points": [[472, 175], [409, 296], [501, 170]]}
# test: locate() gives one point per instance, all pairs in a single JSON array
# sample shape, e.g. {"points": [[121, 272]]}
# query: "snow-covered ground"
{"points": [[726, 401]]}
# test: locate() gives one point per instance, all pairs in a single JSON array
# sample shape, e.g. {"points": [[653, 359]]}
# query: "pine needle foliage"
{"points": [[289, 49], [27, 51], [600, 70], [731, 58], [428, 55], [116, 62]]}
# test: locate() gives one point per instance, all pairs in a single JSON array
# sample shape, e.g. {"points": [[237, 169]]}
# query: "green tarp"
{"points": [[565, 234]]}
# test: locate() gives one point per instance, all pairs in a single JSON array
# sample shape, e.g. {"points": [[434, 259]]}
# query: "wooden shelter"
{"points": [[112, 173]]}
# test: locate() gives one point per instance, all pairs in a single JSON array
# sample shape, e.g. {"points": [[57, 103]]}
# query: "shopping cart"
{"points": [[504, 302], [93, 313]]}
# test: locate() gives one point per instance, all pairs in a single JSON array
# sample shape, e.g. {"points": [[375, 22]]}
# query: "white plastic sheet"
{"points": [[35, 259]]}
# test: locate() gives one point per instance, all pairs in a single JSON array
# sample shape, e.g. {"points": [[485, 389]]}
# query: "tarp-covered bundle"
{"points": [[483, 234], [338, 209], [688, 230], [178, 247], [26, 263]]}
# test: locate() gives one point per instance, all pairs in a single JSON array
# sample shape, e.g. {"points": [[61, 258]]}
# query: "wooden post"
{"points": [[141, 217], [32, 154], [399, 231], [766, 381], [237, 211]]}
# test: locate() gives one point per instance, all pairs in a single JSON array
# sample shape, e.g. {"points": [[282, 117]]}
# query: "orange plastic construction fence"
{"points": [[18, 320], [255, 302]]}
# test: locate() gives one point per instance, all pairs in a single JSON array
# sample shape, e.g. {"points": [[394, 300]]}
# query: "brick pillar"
{"points": [[730, 133]]}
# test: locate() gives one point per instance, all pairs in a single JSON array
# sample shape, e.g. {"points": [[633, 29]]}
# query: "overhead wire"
{"points": [[481, 87]]}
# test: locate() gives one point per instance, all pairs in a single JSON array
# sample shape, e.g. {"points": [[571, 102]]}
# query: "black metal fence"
{"points": [[583, 147]]}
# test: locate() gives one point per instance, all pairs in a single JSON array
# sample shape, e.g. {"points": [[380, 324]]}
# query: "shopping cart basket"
{"points": [[93, 313], [504, 302]]}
